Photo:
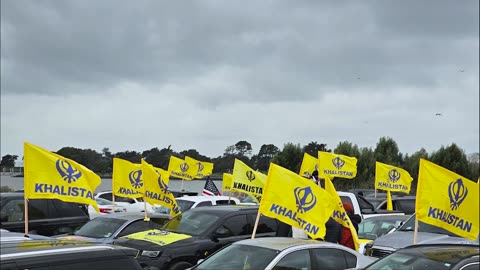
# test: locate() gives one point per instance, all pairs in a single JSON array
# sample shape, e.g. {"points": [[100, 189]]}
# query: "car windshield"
{"points": [[100, 227], [372, 229], [424, 227], [101, 201], [183, 205], [191, 223], [424, 258], [239, 256]]}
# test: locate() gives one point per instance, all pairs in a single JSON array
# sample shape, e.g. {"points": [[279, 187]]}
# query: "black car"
{"points": [[195, 234], [61, 255], [45, 216], [431, 256]]}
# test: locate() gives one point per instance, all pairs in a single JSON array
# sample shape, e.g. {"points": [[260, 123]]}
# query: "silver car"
{"points": [[283, 253], [427, 234]]}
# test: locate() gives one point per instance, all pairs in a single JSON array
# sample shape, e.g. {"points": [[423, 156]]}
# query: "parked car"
{"points": [[373, 227], [195, 234], [105, 229], [403, 236], [188, 202], [429, 257], [45, 216], [137, 204], [406, 204], [105, 207], [283, 253], [6, 236], [363, 207], [60, 255]]}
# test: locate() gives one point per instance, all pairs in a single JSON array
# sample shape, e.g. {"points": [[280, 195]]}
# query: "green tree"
{"points": [[8, 160], [411, 164], [387, 152], [365, 169], [243, 148], [290, 157], [131, 156], [452, 158], [473, 164], [312, 148], [265, 155]]}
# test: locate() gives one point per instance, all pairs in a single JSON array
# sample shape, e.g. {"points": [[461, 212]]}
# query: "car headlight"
{"points": [[150, 253]]}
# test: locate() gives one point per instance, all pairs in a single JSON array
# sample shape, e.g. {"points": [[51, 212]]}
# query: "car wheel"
{"points": [[180, 266]]}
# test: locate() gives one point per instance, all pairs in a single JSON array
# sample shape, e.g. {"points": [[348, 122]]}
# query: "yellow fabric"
{"points": [[180, 168], [339, 213], [309, 164], [247, 180], [388, 177], [156, 188], [389, 201], [127, 179], [203, 168], [447, 200], [158, 237], [51, 176], [333, 165], [296, 201], [227, 182]]}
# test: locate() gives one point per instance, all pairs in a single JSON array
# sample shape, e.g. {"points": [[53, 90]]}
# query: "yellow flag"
{"points": [[156, 188], [296, 201], [309, 164], [51, 176], [333, 165], [182, 169], [227, 182], [127, 179], [247, 180], [447, 200], [388, 177], [203, 168], [389, 201], [339, 213]]}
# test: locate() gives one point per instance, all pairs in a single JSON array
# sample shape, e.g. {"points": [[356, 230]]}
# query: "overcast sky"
{"points": [[133, 75]]}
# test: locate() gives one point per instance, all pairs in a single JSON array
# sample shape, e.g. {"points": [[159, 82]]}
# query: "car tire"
{"points": [[180, 266]]}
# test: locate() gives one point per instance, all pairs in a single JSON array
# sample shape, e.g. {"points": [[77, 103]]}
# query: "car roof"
{"points": [[206, 198], [33, 248], [458, 251], [132, 215], [16, 236], [387, 217], [225, 208], [282, 243]]}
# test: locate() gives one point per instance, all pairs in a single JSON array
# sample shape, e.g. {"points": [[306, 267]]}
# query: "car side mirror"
{"points": [[221, 233]]}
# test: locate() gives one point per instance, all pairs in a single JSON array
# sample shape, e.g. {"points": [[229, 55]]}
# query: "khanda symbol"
{"points": [[338, 162], [457, 192], [394, 175], [200, 166], [184, 167], [135, 178], [161, 184], [67, 172], [304, 199], [250, 175]]}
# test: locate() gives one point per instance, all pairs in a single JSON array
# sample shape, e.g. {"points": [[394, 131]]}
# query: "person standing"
{"points": [[347, 237]]}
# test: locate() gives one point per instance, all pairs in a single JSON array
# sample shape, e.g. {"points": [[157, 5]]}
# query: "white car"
{"points": [[188, 202], [105, 207], [132, 205]]}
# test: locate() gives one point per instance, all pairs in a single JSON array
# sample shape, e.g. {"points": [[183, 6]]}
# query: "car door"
{"points": [[333, 259], [233, 228], [298, 259]]}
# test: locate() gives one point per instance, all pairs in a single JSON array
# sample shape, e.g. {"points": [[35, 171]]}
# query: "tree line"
{"points": [[290, 156]]}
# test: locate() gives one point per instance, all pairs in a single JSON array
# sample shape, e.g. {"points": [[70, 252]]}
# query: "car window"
{"points": [[136, 226], [205, 203], [117, 263], [297, 260], [226, 202], [192, 223], [406, 206], [237, 225], [64, 209], [473, 266], [100, 227], [364, 204], [38, 209], [330, 258], [13, 210], [266, 225], [106, 196], [123, 199], [184, 205], [346, 199]]}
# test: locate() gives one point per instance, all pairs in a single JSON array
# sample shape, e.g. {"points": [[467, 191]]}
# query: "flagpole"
{"points": [[181, 188], [415, 231], [256, 224], [145, 209], [26, 215]]}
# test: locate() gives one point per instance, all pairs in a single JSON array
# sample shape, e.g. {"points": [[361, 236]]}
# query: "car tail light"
{"points": [[105, 210]]}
